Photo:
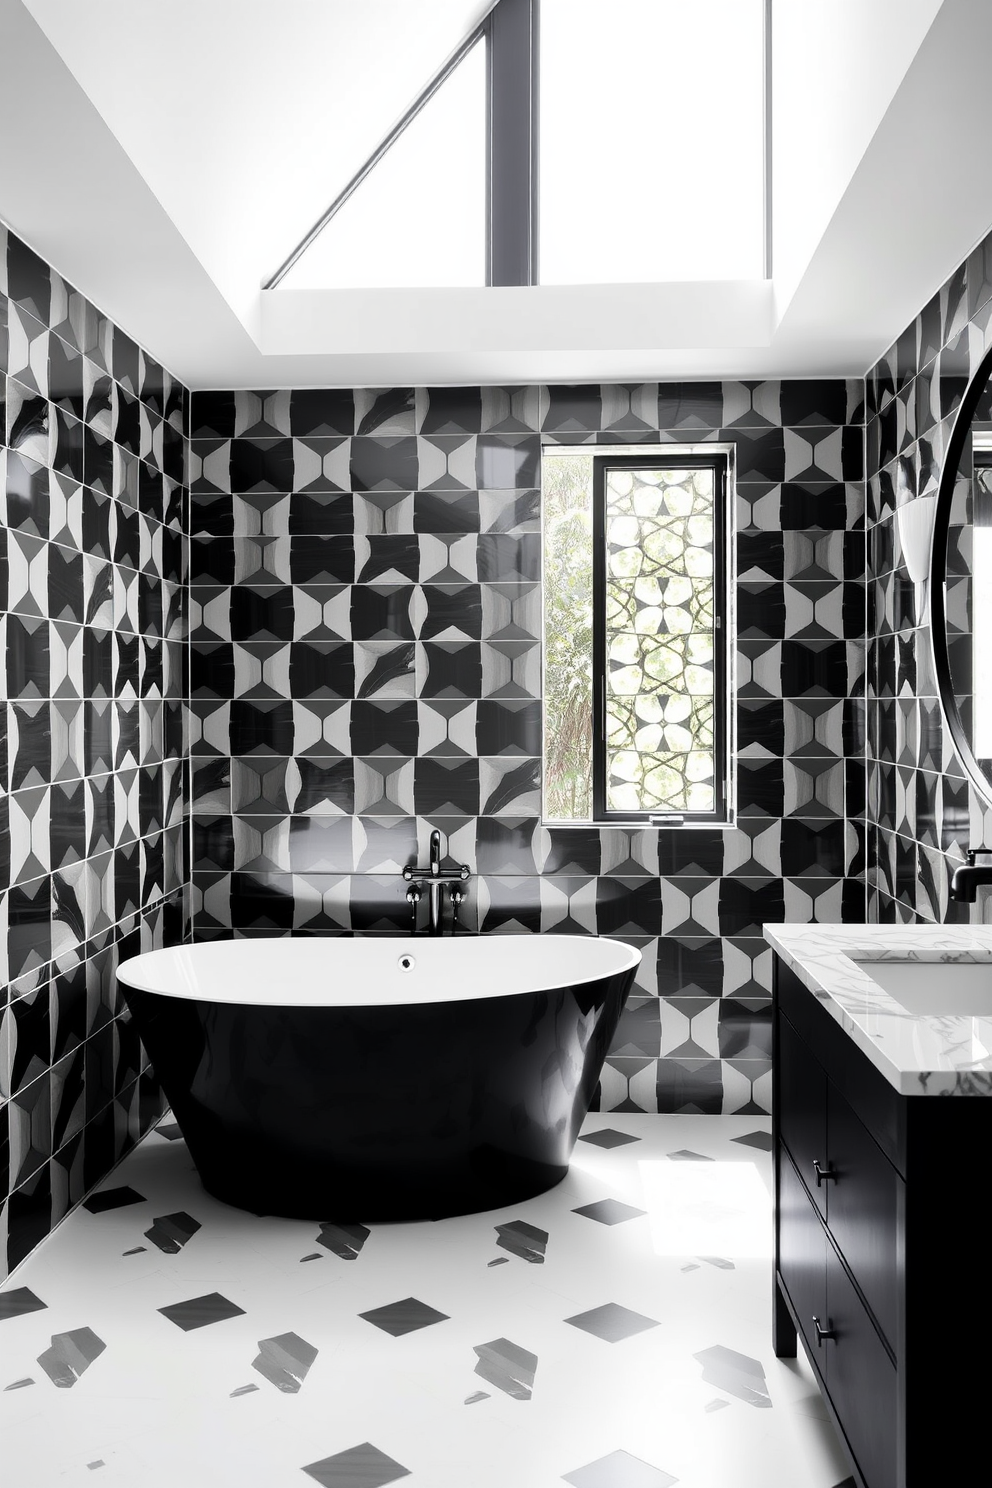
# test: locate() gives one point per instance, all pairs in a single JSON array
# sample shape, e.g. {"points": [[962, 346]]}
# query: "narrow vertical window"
{"points": [[636, 635]]}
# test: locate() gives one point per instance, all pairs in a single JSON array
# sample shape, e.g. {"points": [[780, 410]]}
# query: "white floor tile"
{"points": [[161, 1406]]}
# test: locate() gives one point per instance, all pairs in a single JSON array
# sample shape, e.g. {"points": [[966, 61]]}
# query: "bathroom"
{"points": [[272, 617]]}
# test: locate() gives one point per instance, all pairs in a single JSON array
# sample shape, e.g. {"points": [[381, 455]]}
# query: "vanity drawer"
{"points": [[802, 1252], [861, 1380], [802, 1108], [863, 1211]]}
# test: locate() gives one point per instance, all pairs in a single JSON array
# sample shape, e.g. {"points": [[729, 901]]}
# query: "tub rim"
{"points": [[138, 973]]}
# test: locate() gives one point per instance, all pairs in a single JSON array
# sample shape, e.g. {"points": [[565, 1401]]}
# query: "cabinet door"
{"points": [[802, 1107], [861, 1380], [802, 1253], [862, 1211]]}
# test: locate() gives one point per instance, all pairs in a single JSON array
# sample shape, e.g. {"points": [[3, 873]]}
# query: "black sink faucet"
{"points": [[967, 876], [435, 878]]}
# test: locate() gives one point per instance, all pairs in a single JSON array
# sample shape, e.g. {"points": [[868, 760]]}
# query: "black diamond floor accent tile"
{"points": [[507, 1366], [358, 1467], [112, 1198], [20, 1300], [760, 1139], [170, 1232], [345, 1240], [284, 1361], [200, 1312], [611, 1322], [404, 1317], [608, 1138], [524, 1240], [609, 1211], [70, 1355], [619, 1470]]}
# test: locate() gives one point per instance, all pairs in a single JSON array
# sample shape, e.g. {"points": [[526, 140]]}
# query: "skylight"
{"points": [[651, 141], [643, 161], [418, 219]]}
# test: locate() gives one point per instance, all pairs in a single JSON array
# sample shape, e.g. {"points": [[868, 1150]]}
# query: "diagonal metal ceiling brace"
{"points": [[422, 99]]}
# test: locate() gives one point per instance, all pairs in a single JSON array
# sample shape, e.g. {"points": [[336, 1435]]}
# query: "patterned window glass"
{"points": [[635, 639]]}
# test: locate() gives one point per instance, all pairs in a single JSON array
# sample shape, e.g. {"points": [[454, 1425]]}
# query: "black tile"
{"points": [[320, 514], [321, 670], [446, 511], [311, 411], [29, 1215], [28, 279], [446, 787], [27, 657], [384, 728], [321, 559], [384, 464], [697, 405], [456, 410], [512, 727], [575, 408], [125, 361], [381, 613], [261, 465]]}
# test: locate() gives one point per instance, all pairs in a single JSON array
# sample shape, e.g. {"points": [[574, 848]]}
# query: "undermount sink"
{"points": [[936, 988]]}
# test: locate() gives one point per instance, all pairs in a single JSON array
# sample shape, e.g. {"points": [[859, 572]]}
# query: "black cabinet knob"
{"points": [[822, 1174], [822, 1333]]}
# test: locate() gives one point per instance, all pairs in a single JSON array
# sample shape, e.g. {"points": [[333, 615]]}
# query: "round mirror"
{"points": [[961, 575]]}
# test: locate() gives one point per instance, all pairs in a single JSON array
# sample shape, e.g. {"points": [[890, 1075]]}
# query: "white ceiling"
{"points": [[166, 158]]}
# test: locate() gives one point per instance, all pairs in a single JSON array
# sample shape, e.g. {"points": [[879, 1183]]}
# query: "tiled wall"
{"points": [[922, 813], [92, 659], [366, 666]]}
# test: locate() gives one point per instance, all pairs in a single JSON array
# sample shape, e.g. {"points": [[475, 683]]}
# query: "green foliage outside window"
{"points": [[659, 639]]}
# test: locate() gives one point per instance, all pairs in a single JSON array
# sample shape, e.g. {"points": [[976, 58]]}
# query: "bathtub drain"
{"points": [[406, 963]]}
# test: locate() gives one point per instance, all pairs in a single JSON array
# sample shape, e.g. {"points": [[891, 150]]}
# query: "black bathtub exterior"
{"points": [[362, 1113]]}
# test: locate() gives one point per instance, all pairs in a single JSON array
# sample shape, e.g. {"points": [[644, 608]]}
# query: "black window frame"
{"points": [[719, 463]]}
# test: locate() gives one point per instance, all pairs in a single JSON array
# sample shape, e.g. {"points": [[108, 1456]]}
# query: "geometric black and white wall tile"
{"points": [[92, 800], [366, 627], [358, 575]]}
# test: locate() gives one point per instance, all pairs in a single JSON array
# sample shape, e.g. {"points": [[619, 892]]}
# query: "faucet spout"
{"points": [[435, 858], [967, 877]]}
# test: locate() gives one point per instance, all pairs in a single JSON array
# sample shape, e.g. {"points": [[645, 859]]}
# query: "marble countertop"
{"points": [[918, 1054]]}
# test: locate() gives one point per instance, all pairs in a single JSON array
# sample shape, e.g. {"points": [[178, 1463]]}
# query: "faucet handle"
{"points": [[458, 896]]}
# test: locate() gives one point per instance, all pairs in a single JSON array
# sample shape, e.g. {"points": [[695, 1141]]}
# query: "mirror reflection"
{"points": [[962, 594]]}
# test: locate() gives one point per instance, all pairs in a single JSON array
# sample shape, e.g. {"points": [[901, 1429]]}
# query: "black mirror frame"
{"points": [[938, 562]]}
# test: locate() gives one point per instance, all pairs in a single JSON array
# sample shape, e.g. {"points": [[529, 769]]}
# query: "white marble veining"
{"points": [[918, 1053]]}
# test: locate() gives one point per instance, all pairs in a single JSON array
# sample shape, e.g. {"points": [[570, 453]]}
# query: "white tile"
{"points": [[157, 1406]]}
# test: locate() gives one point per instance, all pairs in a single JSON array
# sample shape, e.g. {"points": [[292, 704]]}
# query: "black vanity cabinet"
{"points": [[879, 1248]]}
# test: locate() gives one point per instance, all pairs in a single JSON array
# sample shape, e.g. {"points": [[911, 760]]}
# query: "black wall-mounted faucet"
{"points": [[435, 880], [967, 877]]}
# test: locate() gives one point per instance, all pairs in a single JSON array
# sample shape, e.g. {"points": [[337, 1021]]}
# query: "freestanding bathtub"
{"points": [[380, 1077]]}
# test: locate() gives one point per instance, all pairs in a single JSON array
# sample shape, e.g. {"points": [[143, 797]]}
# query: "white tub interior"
{"points": [[375, 970]]}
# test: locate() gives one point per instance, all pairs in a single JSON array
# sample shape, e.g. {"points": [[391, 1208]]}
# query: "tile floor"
{"points": [[613, 1333]]}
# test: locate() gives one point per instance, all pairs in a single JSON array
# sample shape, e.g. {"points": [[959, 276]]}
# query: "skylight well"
{"points": [[571, 143], [419, 217]]}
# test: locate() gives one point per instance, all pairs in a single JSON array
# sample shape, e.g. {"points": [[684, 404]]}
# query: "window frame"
{"points": [[720, 458]]}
